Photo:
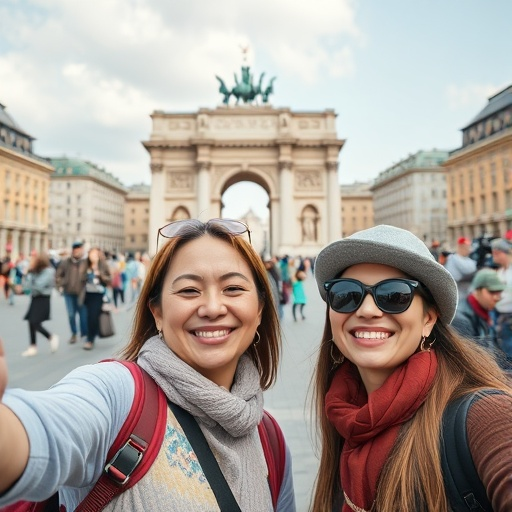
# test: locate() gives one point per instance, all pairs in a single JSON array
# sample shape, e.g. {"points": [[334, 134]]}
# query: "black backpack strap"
{"points": [[209, 465], [463, 486]]}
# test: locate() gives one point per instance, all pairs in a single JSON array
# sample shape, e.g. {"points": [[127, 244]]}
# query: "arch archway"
{"points": [[196, 157]]}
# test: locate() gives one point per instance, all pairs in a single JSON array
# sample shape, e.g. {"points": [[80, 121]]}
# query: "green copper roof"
{"points": [[78, 167], [420, 160]]}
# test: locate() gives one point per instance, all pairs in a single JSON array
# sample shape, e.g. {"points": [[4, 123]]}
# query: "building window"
{"points": [[494, 202]]}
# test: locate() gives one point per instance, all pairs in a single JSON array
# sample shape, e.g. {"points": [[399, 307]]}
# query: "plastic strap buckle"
{"points": [[124, 462]]}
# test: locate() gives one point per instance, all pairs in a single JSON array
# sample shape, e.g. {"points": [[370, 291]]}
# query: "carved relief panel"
{"points": [[179, 181], [308, 180]]}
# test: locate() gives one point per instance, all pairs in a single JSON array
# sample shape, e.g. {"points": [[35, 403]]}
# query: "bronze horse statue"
{"points": [[245, 89]]}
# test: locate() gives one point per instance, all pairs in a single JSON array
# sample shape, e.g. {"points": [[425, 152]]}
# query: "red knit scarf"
{"points": [[369, 425], [478, 309]]}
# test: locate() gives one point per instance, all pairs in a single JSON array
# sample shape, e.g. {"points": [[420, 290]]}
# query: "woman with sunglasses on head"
{"points": [[388, 366], [206, 330]]}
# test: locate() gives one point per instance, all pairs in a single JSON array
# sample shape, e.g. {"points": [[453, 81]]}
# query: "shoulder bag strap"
{"points": [[137, 444], [209, 465], [463, 486], [273, 443]]}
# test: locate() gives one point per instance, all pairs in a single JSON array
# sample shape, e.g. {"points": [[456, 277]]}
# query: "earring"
{"points": [[259, 338], [160, 335], [341, 357], [422, 344]]}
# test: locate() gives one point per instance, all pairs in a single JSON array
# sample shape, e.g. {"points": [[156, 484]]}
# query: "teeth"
{"points": [[211, 334], [379, 335]]}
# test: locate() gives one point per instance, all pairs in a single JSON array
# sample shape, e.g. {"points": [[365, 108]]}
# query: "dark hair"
{"points": [[40, 262], [265, 354]]}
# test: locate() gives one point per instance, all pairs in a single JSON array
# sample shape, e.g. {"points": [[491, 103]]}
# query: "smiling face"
{"points": [[374, 341], [209, 309]]}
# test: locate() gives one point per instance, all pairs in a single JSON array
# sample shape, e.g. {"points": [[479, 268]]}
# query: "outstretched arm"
{"points": [[14, 446]]}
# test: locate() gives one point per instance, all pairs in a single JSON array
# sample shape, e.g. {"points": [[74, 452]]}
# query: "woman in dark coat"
{"points": [[41, 281], [96, 281]]}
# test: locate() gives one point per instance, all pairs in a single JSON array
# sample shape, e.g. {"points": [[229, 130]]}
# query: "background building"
{"points": [[87, 204], [412, 195], [356, 207], [24, 184], [136, 218], [479, 174], [293, 156]]}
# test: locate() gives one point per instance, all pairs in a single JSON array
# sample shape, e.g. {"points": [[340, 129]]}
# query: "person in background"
{"points": [[70, 281], [502, 256], [299, 294], [41, 281], [474, 319], [116, 281], [97, 279], [275, 282], [461, 266], [6, 265], [206, 332], [435, 249], [388, 365]]}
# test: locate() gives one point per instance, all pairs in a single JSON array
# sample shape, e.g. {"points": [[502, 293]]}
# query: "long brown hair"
{"points": [[411, 479], [39, 263], [265, 354]]}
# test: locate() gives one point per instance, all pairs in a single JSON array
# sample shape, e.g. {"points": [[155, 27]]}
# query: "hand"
{"points": [[3, 370]]}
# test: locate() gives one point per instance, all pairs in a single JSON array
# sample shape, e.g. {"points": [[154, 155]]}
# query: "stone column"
{"points": [[286, 203], [15, 243], [203, 192], [37, 242], [25, 243], [3, 241], [275, 228], [333, 202], [156, 204]]}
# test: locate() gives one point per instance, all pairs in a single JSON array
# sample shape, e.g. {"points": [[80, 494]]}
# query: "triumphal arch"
{"points": [[197, 156]]}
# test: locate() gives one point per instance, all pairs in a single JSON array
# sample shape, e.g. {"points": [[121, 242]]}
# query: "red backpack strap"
{"points": [[137, 444], [272, 440]]}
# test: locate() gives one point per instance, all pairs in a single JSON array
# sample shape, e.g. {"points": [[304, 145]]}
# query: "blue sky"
{"points": [[83, 77]]}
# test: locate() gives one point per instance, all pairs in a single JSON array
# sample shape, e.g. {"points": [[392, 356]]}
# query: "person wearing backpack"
{"points": [[206, 331], [388, 379]]}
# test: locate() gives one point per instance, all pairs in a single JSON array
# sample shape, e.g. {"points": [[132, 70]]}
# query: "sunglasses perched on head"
{"points": [[184, 226], [391, 295]]}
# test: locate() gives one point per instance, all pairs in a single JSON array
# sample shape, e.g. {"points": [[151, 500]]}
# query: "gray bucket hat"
{"points": [[397, 248]]}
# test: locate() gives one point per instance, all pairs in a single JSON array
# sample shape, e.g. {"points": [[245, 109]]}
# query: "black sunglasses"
{"points": [[180, 227], [391, 295]]}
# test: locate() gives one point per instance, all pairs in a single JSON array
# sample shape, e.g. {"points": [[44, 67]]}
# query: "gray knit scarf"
{"points": [[228, 419]]}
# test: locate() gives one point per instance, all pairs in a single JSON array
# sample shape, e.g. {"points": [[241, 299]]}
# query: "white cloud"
{"points": [[472, 95], [83, 77]]}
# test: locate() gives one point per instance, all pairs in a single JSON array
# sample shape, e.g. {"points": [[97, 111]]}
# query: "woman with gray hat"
{"points": [[388, 366]]}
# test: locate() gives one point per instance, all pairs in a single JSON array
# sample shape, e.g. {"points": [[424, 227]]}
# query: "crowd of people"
{"points": [[85, 279], [405, 338], [482, 270]]}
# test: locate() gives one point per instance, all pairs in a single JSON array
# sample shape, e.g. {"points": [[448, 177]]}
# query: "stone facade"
{"points": [[479, 174], [87, 204], [136, 219], [412, 195], [356, 207], [24, 196], [196, 156]]}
